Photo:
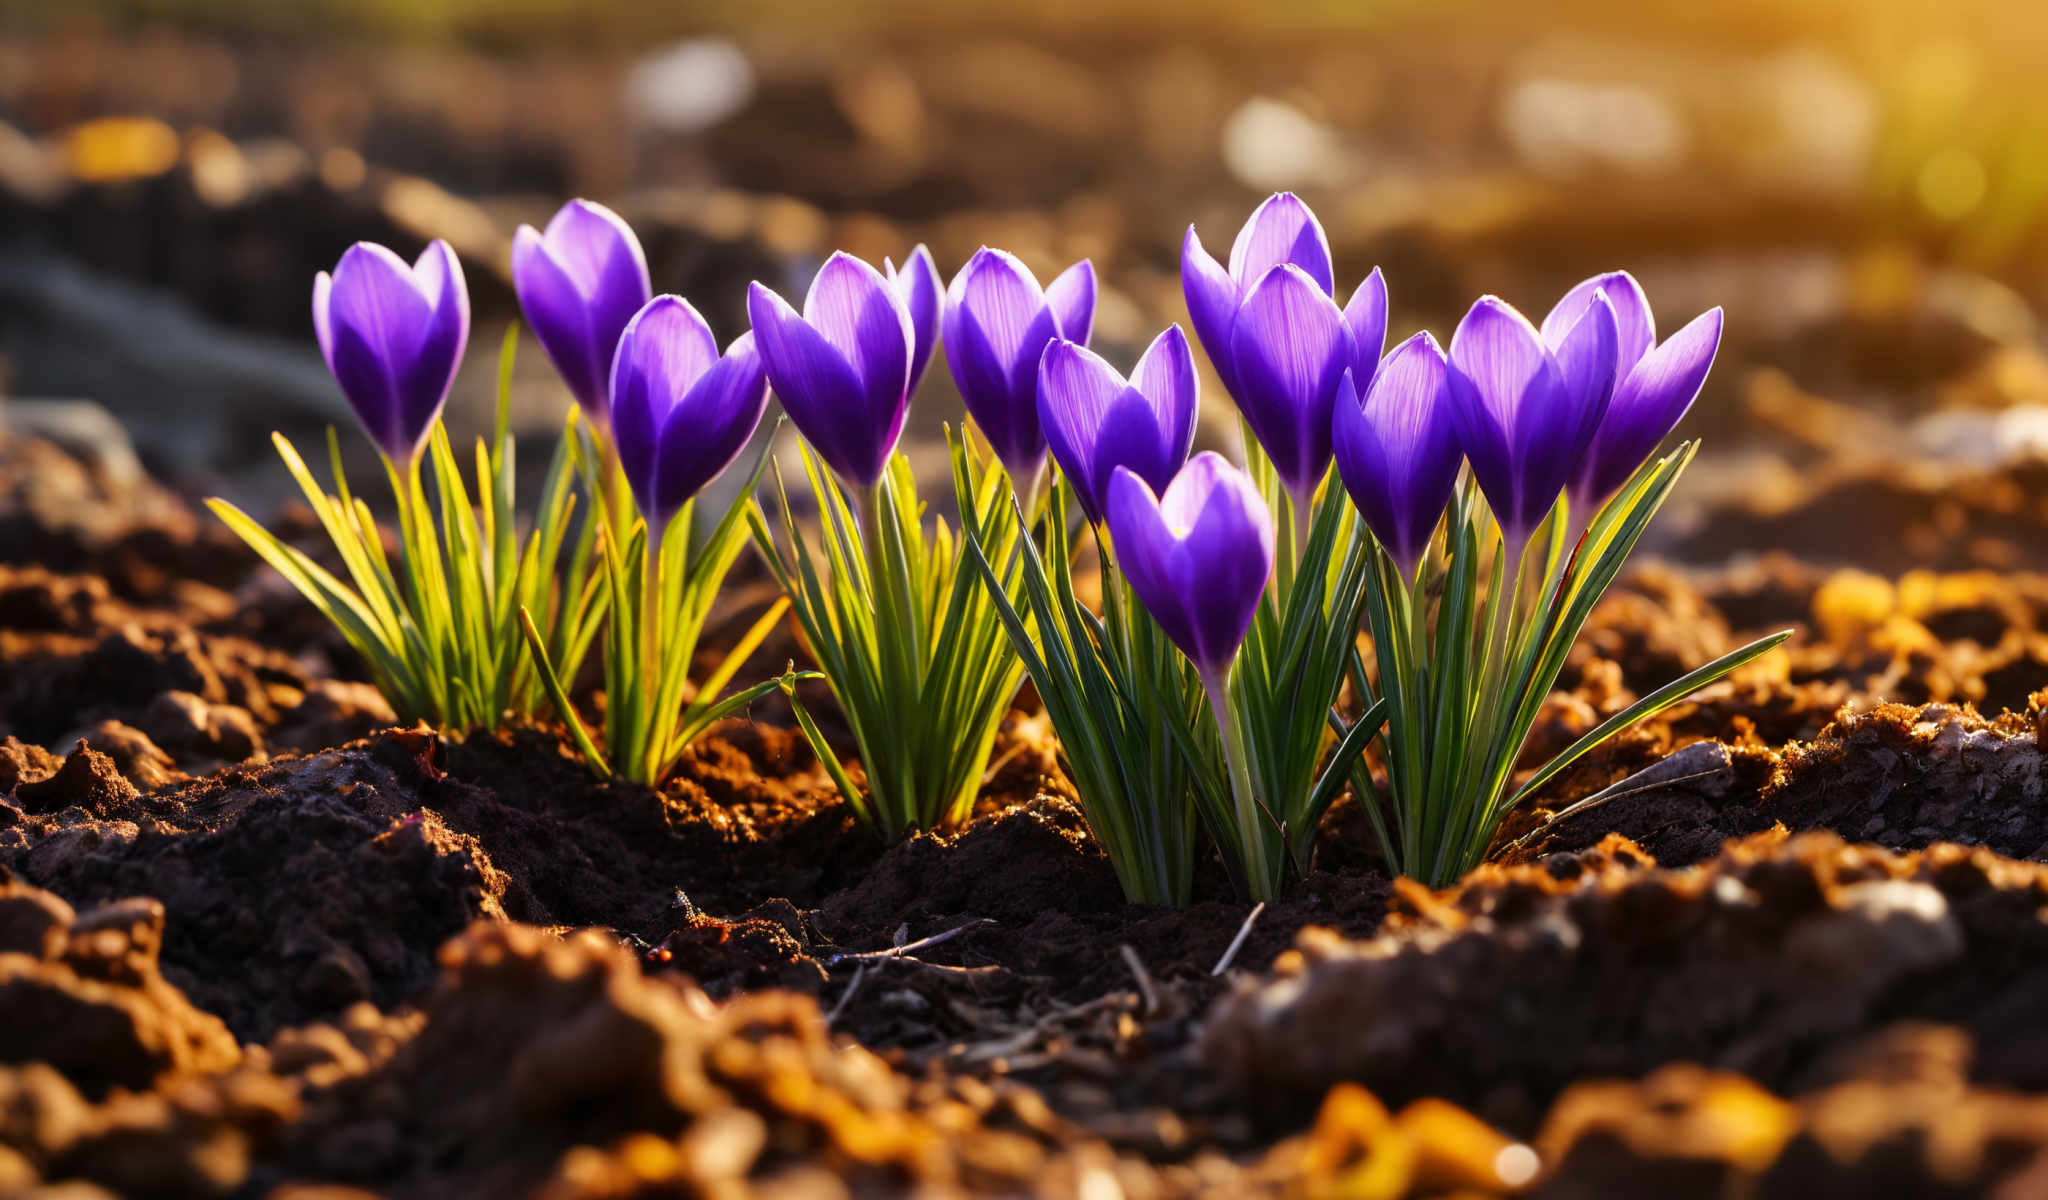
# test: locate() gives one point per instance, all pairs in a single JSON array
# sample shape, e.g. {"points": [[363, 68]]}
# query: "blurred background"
{"points": [[1863, 185]]}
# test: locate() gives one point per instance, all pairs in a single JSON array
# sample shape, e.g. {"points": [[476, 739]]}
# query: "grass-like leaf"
{"points": [[908, 637], [1463, 684], [1111, 688], [442, 633]]}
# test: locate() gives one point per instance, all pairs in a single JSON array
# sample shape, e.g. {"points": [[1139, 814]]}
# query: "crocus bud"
{"points": [[1198, 557], [1525, 407], [578, 284], [997, 325], [393, 335], [1281, 230], [1284, 388], [1095, 421], [680, 412], [843, 368], [1655, 384], [1396, 450]]}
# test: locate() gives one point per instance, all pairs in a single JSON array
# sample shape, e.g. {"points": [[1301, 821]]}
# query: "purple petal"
{"points": [[1292, 349], [556, 313], [438, 275], [1366, 317], [665, 350], [1076, 390], [1212, 305], [1553, 442], [821, 391], [1647, 406], [600, 252], [1129, 438], [1095, 422], [1166, 377], [709, 427], [1072, 300], [377, 318], [997, 326], [1396, 450], [1499, 370], [1198, 557], [323, 297], [1226, 556], [1145, 552], [918, 284], [859, 312], [1635, 328], [1282, 230]]}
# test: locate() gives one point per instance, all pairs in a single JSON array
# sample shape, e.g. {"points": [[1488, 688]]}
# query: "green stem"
{"points": [[645, 745], [1028, 494], [1303, 505], [1259, 872]]}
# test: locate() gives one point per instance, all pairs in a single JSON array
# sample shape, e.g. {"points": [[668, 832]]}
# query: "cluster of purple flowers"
{"points": [[1569, 408]]}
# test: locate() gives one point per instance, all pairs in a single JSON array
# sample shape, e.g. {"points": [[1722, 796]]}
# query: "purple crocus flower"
{"points": [[1525, 407], [1095, 421], [1654, 383], [1396, 450], [578, 284], [393, 335], [845, 366], [1281, 374], [1198, 556], [998, 323], [680, 412]]}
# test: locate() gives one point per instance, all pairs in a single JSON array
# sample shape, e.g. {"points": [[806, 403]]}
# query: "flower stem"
{"points": [[1028, 494], [1259, 873], [650, 648]]}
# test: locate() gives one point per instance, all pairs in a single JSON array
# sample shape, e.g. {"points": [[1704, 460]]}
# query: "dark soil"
{"points": [[289, 943]]}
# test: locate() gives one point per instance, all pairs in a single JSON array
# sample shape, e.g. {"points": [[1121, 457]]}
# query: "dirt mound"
{"points": [[1500, 991]]}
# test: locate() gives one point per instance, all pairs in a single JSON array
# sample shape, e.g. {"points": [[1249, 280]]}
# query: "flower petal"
{"points": [[426, 379], [1366, 317], [1226, 557], [1165, 376], [1076, 389], [1500, 369], [1282, 230], [857, 310], [1396, 450], [1647, 406], [710, 425], [918, 284], [1292, 349], [1635, 327], [376, 318], [1552, 442], [323, 298], [1145, 552], [997, 326], [599, 251], [666, 348], [556, 312], [1212, 305], [1071, 297], [640, 397], [820, 390]]}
